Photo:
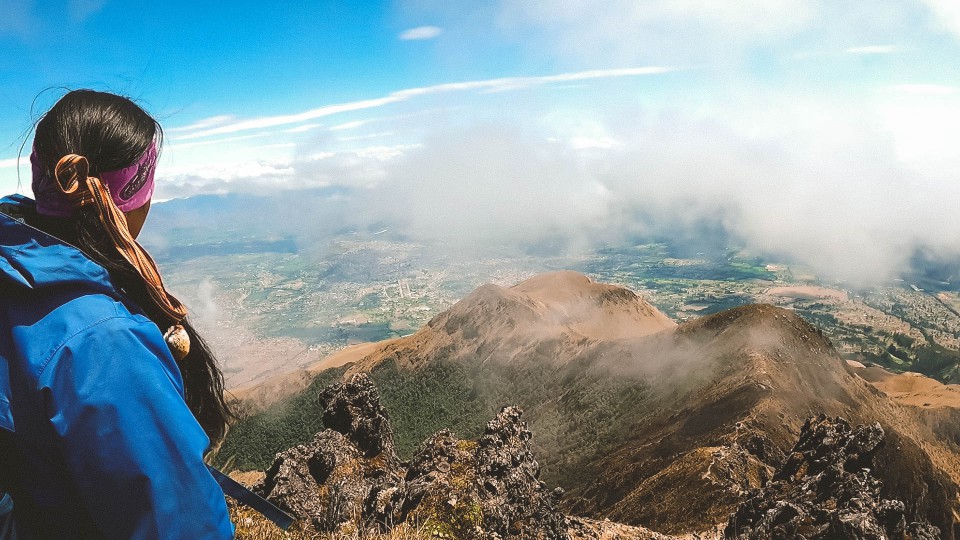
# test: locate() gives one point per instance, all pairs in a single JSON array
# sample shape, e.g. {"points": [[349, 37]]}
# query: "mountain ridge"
{"points": [[669, 427]]}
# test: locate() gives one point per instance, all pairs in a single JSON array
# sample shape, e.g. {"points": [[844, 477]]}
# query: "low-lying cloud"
{"points": [[825, 188]]}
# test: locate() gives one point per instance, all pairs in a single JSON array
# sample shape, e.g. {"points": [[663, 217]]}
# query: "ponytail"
{"points": [[92, 137], [202, 378]]}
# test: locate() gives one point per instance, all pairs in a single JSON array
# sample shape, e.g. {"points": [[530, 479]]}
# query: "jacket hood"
{"points": [[32, 259]]}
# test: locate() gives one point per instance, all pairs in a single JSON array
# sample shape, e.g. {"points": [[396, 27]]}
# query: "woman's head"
{"points": [[116, 138], [111, 131]]}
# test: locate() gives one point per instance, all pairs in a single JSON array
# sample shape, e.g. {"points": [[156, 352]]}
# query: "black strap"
{"points": [[248, 498], [7, 528]]}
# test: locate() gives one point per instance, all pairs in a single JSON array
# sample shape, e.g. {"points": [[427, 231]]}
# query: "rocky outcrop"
{"points": [[354, 409], [480, 489], [826, 489], [334, 479], [349, 478], [513, 499]]}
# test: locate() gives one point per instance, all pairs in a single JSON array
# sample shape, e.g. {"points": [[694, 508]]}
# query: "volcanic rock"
{"points": [[484, 489], [514, 501], [348, 478], [344, 470], [353, 408], [826, 490]]}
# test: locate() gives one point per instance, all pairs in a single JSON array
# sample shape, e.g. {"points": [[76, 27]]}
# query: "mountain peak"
{"points": [[554, 303]]}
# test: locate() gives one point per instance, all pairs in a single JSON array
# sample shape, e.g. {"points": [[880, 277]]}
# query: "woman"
{"points": [[104, 420]]}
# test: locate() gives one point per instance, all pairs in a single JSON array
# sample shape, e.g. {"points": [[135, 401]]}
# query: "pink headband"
{"points": [[130, 187]]}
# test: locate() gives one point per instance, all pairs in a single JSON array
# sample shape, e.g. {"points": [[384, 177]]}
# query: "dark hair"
{"points": [[112, 132]]}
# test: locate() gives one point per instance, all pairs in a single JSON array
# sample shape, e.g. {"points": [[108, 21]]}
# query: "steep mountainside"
{"points": [[642, 421]]}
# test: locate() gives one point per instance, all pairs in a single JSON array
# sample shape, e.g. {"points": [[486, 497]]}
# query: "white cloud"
{"points": [[212, 142], [727, 36], [848, 188], [348, 125], [499, 84], [243, 170], [384, 152], [628, 31], [367, 136], [872, 49], [202, 124], [583, 143], [420, 33], [303, 128], [947, 13], [312, 114], [10, 162], [924, 131]]}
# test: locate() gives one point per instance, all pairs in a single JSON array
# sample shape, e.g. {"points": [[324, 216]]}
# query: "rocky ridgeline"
{"points": [[349, 478], [825, 489]]}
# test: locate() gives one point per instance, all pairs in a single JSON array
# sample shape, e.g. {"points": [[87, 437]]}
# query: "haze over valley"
{"points": [[280, 295]]}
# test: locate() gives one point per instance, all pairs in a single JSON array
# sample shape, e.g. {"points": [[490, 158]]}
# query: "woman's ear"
{"points": [[136, 217]]}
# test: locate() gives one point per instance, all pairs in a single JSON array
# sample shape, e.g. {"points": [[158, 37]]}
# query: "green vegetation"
{"points": [[573, 424], [445, 389], [253, 442], [938, 362]]}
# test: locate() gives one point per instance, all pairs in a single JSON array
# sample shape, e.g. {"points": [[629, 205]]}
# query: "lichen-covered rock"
{"points": [[347, 470], [515, 503], [485, 489], [825, 489], [317, 481], [439, 490], [353, 408]]}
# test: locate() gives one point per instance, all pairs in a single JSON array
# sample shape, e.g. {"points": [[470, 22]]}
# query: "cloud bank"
{"points": [[844, 190]]}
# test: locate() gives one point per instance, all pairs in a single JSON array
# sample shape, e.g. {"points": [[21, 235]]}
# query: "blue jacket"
{"points": [[95, 437]]}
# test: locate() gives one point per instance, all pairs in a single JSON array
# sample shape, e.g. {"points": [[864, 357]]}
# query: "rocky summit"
{"points": [[349, 478]]}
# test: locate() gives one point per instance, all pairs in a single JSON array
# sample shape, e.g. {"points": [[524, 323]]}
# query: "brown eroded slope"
{"points": [[691, 463], [559, 312], [937, 404], [549, 312], [912, 389]]}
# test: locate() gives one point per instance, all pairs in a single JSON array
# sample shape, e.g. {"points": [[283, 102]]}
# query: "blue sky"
{"points": [[761, 113]]}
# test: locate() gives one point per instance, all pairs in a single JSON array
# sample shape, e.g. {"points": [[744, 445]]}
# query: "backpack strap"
{"points": [[7, 531], [6, 415], [250, 499]]}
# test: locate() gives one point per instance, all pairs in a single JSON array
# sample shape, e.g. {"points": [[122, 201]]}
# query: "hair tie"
{"points": [[70, 177]]}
